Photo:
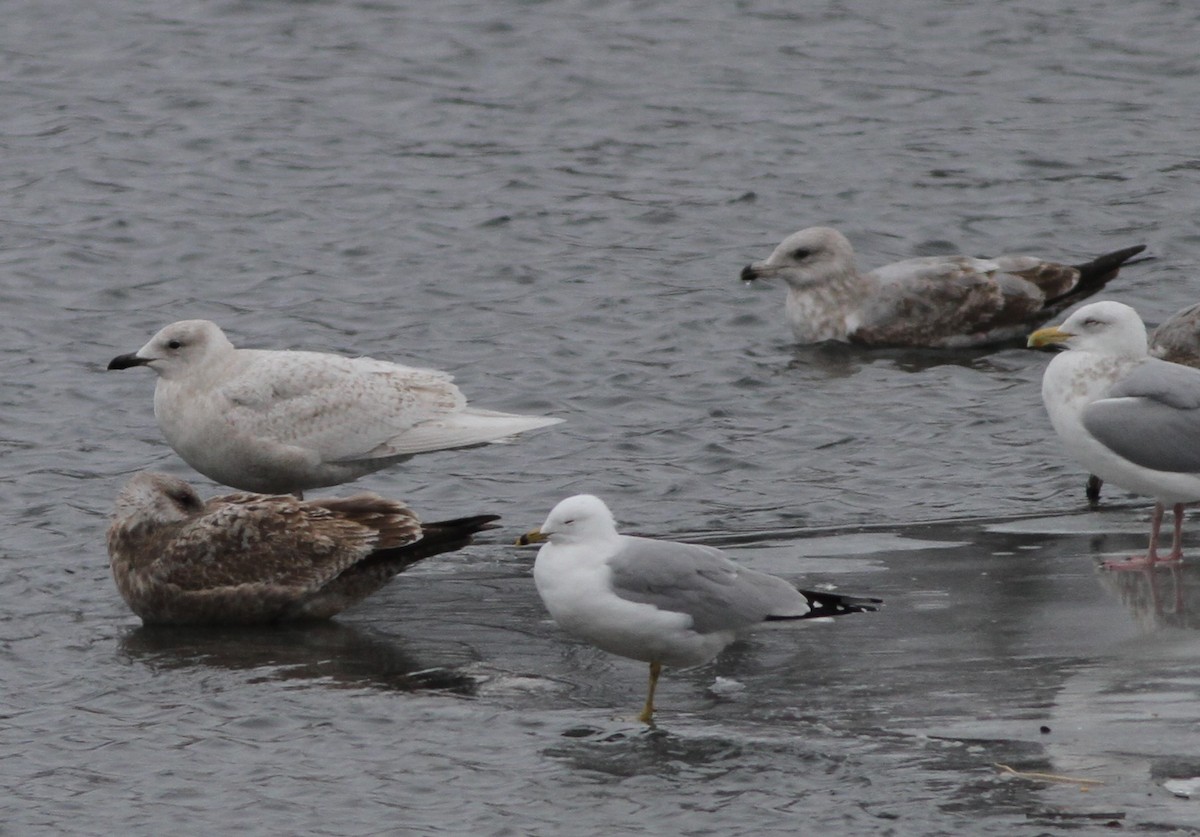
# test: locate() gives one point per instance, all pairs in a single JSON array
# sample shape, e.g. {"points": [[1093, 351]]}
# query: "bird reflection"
{"points": [[336, 654], [840, 360], [1164, 597]]}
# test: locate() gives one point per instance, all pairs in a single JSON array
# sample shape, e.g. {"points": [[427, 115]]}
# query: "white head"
{"points": [[811, 256], [1106, 328], [178, 348], [152, 499], [579, 518]]}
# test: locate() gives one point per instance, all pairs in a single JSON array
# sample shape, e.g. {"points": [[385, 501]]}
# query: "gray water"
{"points": [[553, 201]]}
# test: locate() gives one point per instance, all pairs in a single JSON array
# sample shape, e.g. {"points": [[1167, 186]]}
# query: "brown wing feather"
{"points": [[1052, 279], [944, 305], [395, 523], [262, 540]]}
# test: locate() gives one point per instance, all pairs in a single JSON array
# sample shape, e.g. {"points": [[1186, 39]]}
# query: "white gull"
{"points": [[1129, 418], [288, 421], [662, 602]]}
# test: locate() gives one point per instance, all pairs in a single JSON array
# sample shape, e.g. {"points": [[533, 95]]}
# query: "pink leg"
{"points": [[1147, 561], [1177, 545]]}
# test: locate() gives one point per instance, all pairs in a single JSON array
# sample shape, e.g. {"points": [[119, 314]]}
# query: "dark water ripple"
{"points": [[553, 201]]}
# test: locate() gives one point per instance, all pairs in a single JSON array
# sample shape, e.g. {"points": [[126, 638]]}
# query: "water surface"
{"points": [[553, 201]]}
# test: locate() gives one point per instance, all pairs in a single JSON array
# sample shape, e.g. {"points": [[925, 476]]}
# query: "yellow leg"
{"points": [[647, 716]]}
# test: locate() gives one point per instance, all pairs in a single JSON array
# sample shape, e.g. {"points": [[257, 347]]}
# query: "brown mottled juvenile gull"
{"points": [[288, 421], [1129, 418], [661, 602], [256, 558], [936, 301], [1177, 339]]}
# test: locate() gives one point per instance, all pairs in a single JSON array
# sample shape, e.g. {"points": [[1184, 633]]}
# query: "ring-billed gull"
{"points": [[661, 602], [287, 421], [936, 301], [1129, 418], [256, 558]]}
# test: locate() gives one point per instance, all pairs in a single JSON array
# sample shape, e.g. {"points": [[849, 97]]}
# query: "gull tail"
{"points": [[360, 580], [1094, 275], [469, 428], [465, 429], [830, 604], [436, 538]]}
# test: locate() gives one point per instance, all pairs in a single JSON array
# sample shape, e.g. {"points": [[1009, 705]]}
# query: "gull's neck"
{"points": [[1075, 379], [827, 309]]}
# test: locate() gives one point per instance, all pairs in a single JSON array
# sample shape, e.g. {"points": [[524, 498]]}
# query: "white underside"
{"points": [[574, 583]]}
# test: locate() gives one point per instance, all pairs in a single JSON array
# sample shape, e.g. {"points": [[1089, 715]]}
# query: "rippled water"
{"points": [[553, 201]]}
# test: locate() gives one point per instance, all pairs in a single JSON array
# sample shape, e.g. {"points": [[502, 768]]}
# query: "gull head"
{"points": [[152, 499], [579, 518], [811, 256], [177, 348], [1106, 328]]}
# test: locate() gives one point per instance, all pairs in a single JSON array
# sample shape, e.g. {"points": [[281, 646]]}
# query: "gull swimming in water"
{"points": [[935, 301], [243, 559], [1177, 338], [287, 421], [661, 602], [1129, 418]]}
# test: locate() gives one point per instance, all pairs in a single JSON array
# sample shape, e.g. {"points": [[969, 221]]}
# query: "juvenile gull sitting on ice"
{"points": [[936, 301], [661, 602], [286, 421], [254, 558], [1129, 418]]}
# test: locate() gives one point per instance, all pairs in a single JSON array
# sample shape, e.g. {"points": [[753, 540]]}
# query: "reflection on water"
{"points": [[336, 654], [630, 751], [839, 360], [1166, 597]]}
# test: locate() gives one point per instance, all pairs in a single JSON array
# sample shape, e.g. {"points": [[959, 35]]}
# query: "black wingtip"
{"points": [[437, 538], [475, 523], [832, 604], [1102, 268]]}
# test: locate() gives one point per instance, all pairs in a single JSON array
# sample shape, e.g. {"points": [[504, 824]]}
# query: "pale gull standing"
{"points": [[254, 558], [935, 301], [1129, 418], [661, 602], [1176, 339], [288, 421]]}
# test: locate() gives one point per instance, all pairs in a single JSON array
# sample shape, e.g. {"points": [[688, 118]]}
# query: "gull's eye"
{"points": [[801, 253], [174, 344], [568, 522], [186, 500], [1091, 321]]}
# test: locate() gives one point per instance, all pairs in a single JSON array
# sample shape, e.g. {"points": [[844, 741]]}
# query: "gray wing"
{"points": [[1151, 417], [701, 582]]}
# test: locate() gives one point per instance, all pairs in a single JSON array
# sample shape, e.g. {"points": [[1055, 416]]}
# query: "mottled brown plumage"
{"points": [[255, 558], [1178, 338], [935, 301]]}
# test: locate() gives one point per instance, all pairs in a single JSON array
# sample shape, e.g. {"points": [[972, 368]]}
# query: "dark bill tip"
{"points": [[748, 273], [126, 361]]}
